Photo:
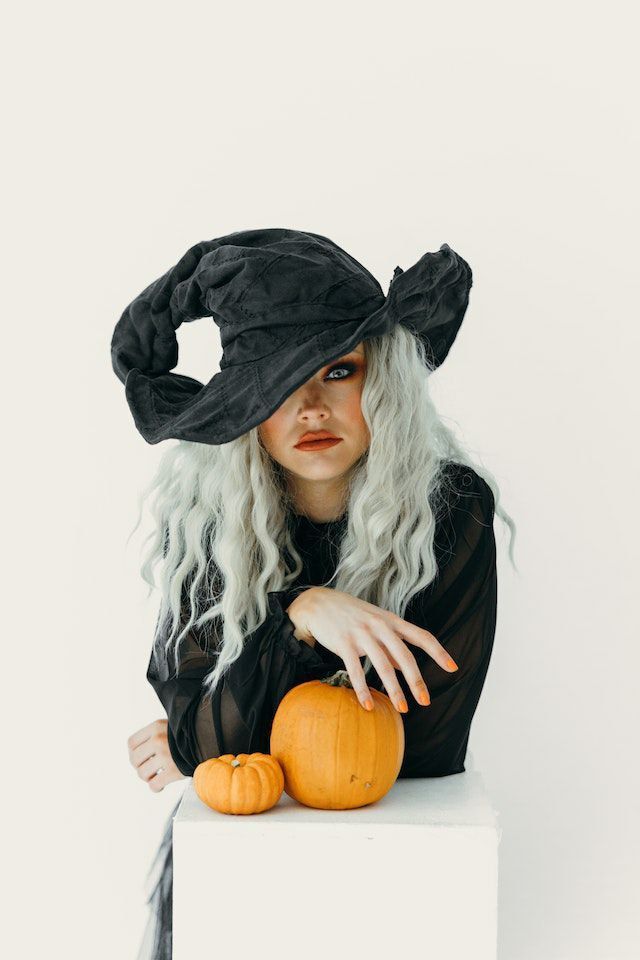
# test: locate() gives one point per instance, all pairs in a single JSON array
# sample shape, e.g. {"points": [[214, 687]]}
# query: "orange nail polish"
{"points": [[403, 705], [368, 703], [452, 664], [424, 698]]}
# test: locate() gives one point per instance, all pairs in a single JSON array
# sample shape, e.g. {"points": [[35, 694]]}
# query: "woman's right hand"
{"points": [[150, 756], [353, 628]]}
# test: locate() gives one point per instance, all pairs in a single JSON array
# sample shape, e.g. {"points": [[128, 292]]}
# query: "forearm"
{"points": [[238, 717]]}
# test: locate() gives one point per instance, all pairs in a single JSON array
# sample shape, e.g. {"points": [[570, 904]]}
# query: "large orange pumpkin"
{"points": [[246, 783], [335, 754]]}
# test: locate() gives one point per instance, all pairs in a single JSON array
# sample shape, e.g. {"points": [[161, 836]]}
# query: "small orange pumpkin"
{"points": [[246, 783], [336, 755]]}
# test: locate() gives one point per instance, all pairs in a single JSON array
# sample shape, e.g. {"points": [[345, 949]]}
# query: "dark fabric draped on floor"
{"points": [[157, 939]]}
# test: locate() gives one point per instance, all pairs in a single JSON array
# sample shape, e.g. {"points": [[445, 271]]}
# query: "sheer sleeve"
{"points": [[459, 607], [239, 717]]}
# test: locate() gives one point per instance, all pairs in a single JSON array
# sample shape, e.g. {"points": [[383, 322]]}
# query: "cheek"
{"points": [[351, 413], [353, 408], [271, 429]]}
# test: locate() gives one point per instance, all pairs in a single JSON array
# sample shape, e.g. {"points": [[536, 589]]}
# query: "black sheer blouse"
{"points": [[459, 607]]}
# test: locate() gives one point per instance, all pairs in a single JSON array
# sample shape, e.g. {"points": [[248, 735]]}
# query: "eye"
{"points": [[349, 367]]}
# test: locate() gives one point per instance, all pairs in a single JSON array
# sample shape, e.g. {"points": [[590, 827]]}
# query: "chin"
{"points": [[321, 468], [322, 473]]}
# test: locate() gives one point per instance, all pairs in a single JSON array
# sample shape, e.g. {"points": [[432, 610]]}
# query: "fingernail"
{"points": [[424, 698], [452, 664], [368, 704], [403, 706]]}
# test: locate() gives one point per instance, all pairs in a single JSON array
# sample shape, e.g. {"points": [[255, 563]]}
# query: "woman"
{"points": [[282, 562]]}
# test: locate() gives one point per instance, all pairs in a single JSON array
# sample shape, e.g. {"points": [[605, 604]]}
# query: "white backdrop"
{"points": [[507, 130]]}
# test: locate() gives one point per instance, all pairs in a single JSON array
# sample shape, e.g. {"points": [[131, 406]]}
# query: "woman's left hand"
{"points": [[150, 756]]}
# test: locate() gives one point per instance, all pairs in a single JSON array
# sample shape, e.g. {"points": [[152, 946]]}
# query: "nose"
{"points": [[311, 404], [312, 415]]}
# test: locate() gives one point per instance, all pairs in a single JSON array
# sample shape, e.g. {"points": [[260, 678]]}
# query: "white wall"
{"points": [[506, 130]]}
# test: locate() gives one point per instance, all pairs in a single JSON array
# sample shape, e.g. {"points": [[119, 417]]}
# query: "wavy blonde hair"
{"points": [[222, 512]]}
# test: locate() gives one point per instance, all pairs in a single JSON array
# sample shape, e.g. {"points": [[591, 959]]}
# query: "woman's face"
{"points": [[328, 401]]}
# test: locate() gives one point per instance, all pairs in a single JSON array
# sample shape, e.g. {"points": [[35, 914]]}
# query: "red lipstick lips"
{"points": [[317, 440]]}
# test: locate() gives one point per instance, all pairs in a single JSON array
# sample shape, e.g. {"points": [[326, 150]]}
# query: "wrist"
{"points": [[296, 613]]}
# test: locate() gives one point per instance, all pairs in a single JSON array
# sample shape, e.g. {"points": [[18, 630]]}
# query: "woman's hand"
{"points": [[149, 754], [353, 628]]}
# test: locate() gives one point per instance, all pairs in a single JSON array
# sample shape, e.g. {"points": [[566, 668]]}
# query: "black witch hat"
{"points": [[287, 303]]}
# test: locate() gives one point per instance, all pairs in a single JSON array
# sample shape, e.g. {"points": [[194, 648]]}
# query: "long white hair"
{"points": [[222, 513]]}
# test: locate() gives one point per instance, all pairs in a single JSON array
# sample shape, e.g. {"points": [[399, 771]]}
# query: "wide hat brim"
{"points": [[430, 299]]}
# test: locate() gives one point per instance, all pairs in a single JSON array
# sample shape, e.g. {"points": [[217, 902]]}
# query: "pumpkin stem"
{"points": [[339, 679]]}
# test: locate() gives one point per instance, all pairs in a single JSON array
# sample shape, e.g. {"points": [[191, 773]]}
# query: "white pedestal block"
{"points": [[415, 874]]}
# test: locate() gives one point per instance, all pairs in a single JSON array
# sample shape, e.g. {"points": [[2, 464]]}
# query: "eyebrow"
{"points": [[354, 353]]}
